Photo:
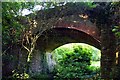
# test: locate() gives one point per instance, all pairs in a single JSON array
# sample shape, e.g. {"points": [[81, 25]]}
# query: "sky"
{"points": [[37, 8], [27, 12]]}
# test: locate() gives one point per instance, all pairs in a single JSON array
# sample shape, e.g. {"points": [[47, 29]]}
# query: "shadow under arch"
{"points": [[55, 37]]}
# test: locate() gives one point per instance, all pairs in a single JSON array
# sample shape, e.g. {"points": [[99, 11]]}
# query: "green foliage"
{"points": [[75, 61], [96, 55], [20, 76], [12, 30], [116, 30], [115, 17], [11, 26]]}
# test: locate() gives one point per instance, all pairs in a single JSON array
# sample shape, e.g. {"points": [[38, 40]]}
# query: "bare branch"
{"points": [[25, 47]]}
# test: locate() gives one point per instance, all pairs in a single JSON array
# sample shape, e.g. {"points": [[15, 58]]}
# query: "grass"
{"points": [[95, 63]]}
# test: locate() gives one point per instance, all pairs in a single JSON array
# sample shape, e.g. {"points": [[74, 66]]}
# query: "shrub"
{"points": [[75, 63]]}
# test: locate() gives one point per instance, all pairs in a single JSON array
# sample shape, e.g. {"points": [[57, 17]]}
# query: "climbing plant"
{"points": [[12, 29], [11, 22]]}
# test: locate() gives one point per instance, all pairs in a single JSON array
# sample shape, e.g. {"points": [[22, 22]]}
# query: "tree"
{"points": [[106, 21], [12, 31]]}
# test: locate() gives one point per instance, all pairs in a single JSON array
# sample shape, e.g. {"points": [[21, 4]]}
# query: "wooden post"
{"points": [[118, 65]]}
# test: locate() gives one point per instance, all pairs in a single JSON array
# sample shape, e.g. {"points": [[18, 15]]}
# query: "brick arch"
{"points": [[55, 37], [62, 33]]}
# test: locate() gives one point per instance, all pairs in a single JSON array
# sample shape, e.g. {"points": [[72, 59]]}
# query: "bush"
{"points": [[75, 63]]}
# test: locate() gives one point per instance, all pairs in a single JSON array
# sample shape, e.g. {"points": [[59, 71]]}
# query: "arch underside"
{"points": [[56, 37]]}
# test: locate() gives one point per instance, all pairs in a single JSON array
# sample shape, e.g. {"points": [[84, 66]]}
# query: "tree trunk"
{"points": [[108, 53]]}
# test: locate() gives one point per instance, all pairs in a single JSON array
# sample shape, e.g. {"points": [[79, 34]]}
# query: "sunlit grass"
{"points": [[95, 63]]}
